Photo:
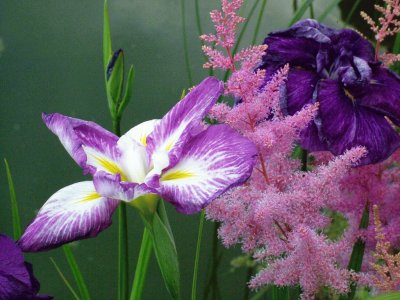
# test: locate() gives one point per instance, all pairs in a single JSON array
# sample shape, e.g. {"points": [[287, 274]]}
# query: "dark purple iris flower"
{"points": [[17, 281], [359, 99]]}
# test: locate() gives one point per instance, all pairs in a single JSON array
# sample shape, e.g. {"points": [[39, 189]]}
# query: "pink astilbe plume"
{"points": [[387, 267], [388, 24], [282, 215]]}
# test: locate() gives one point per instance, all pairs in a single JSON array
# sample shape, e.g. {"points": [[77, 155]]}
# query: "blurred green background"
{"points": [[51, 61]]}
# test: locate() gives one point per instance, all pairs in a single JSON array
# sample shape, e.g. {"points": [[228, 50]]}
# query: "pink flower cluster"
{"points": [[282, 215]]}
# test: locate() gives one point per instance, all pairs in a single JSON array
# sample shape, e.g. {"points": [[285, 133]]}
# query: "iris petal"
{"points": [[90, 145], [74, 212], [215, 160], [182, 122], [382, 94], [345, 124]]}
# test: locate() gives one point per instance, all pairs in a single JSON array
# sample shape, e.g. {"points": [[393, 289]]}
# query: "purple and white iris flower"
{"points": [[17, 281], [358, 98], [176, 158]]}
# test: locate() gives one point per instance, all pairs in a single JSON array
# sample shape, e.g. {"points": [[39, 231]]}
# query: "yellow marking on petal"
{"points": [[110, 166], [90, 197], [143, 140], [349, 95], [177, 175]]}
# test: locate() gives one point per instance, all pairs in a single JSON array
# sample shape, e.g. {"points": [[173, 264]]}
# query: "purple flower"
{"points": [[17, 281], [175, 158], [358, 97]]}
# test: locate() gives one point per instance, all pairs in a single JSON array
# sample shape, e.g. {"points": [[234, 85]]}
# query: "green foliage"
{"points": [[146, 247], [388, 296], [65, 279], [300, 12], [326, 12], [69, 255], [14, 205]]}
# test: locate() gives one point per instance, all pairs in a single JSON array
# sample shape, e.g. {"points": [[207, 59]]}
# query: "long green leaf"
{"points": [[65, 280], [128, 91], [141, 268], [69, 255], [167, 256], [107, 48], [388, 296], [115, 77], [185, 43], [326, 12], [352, 10], [357, 254], [300, 12], [260, 293], [14, 205], [259, 19], [197, 257]]}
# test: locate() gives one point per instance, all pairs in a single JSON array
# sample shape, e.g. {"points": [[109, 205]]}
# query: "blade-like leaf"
{"points": [[300, 12], [107, 49], [167, 257], [14, 205], [69, 255], [128, 91], [326, 12], [146, 248], [65, 279], [388, 296]]}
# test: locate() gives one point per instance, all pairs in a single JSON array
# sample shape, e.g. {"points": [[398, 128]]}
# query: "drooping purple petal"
{"points": [[182, 122], [74, 212], [351, 43], [382, 94], [111, 186], [17, 281], [345, 124], [304, 44], [215, 160], [91, 146]]}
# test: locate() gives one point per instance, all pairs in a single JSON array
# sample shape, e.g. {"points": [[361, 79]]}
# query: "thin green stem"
{"points": [[259, 19], [250, 271], [14, 205], [123, 261], [311, 11], [197, 258], [200, 31], [304, 158], [326, 12], [146, 248], [66, 282], [352, 10], [80, 282], [357, 254], [295, 7], [212, 282], [185, 43]]}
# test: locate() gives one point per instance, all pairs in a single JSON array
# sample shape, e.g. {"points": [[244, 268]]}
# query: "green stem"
{"points": [[357, 254], [311, 11], [304, 158], [69, 255], [185, 43], [142, 265], [353, 9], [212, 282], [197, 258], [250, 271], [259, 19], [123, 261]]}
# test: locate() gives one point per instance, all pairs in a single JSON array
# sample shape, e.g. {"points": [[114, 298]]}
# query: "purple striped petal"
{"points": [[346, 124], [182, 122], [73, 213], [381, 94], [111, 186], [215, 160], [91, 146]]}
